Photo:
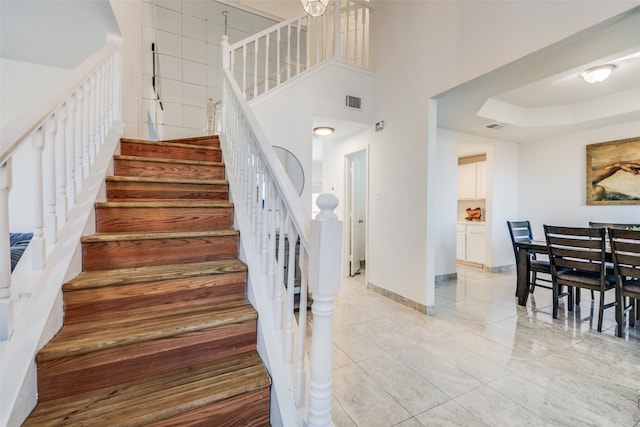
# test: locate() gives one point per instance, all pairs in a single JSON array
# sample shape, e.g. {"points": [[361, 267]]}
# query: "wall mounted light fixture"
{"points": [[598, 74], [314, 7]]}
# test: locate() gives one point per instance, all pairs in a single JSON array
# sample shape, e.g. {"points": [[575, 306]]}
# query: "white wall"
{"points": [[287, 114], [420, 49], [553, 181], [55, 33], [446, 198]]}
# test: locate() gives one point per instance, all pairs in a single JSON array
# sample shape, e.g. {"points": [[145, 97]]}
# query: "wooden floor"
{"points": [[157, 330]]}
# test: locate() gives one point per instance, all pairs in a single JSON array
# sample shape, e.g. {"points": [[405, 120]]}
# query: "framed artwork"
{"points": [[613, 172]]}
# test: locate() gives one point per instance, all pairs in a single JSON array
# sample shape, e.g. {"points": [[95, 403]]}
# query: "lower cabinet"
{"points": [[471, 242]]}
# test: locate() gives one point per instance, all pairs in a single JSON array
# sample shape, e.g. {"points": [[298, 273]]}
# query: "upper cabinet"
{"points": [[472, 180]]}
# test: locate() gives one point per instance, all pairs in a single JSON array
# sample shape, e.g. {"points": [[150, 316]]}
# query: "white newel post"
{"points": [[6, 308], [324, 283]]}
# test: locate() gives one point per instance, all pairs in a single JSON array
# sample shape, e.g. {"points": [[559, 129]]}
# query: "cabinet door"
{"points": [[461, 247], [481, 180], [467, 181], [475, 244]]}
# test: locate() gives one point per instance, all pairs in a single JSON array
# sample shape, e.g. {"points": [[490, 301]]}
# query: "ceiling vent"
{"points": [[354, 102], [495, 126]]}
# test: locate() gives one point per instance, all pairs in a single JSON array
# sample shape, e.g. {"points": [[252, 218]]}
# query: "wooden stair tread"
{"points": [[166, 204], [195, 139], [157, 398], [170, 144], [166, 180], [114, 237], [86, 337], [124, 276], [163, 160]]}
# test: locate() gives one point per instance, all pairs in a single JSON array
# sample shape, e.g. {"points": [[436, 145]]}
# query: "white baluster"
{"points": [[101, 102], [337, 43], [302, 330], [324, 283], [244, 70], [292, 238], [86, 139], [266, 62], [288, 52], [38, 241], [278, 74], [298, 49], [70, 144], [274, 200], [364, 62], [255, 68], [60, 162], [91, 103], [49, 176], [266, 223], [280, 273], [6, 306]]}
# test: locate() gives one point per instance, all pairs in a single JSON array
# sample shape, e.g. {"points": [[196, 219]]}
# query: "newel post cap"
{"points": [[326, 248]]}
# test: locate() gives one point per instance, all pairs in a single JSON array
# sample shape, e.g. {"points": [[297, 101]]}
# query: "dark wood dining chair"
{"points": [[521, 231], [577, 257], [625, 251]]}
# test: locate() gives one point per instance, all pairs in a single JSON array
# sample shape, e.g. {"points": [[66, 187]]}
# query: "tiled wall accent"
{"points": [[187, 35]]}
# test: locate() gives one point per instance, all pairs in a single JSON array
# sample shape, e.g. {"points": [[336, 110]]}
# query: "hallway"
{"points": [[482, 360]]}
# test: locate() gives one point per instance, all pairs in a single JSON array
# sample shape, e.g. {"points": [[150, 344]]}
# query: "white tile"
{"points": [[239, 19], [215, 32], [194, 50], [194, 117], [194, 73], [194, 28], [168, 20], [194, 95], [172, 114], [169, 44], [197, 8], [214, 54], [365, 402], [170, 90], [169, 67], [174, 5]]}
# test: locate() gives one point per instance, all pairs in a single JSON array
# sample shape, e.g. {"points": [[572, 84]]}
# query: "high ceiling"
{"points": [[542, 94]]}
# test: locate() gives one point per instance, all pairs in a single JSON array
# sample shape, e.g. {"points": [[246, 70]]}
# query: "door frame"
{"points": [[348, 161]]}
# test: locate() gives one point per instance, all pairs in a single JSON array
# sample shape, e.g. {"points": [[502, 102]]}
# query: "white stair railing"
{"points": [[65, 131], [273, 56], [271, 220]]}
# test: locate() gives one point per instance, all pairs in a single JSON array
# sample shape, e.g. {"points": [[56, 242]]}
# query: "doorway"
{"points": [[356, 206]]}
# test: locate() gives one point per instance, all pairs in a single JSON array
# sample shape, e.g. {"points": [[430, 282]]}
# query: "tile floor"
{"points": [[482, 360]]}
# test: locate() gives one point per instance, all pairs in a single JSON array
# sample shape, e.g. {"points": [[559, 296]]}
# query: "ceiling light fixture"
{"points": [[598, 74], [314, 7], [323, 130]]}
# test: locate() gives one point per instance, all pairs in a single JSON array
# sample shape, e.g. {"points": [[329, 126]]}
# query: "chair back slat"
{"points": [[519, 231], [580, 249], [625, 250]]}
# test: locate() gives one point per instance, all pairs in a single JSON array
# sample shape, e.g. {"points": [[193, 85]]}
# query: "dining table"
{"points": [[523, 266]]}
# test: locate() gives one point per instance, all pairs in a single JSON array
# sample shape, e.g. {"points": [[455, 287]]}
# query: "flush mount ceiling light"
{"points": [[323, 130], [314, 7], [598, 74]]}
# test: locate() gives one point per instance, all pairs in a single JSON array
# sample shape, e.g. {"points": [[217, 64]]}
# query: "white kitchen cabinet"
{"points": [[461, 242], [472, 181], [471, 242]]}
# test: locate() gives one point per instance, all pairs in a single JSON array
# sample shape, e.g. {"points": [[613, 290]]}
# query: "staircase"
{"points": [[157, 328]]}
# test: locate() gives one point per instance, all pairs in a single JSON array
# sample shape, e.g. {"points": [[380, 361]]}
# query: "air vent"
{"points": [[495, 126], [354, 102]]}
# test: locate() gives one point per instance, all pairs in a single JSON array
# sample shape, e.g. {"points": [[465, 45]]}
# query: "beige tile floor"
{"points": [[482, 360]]}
